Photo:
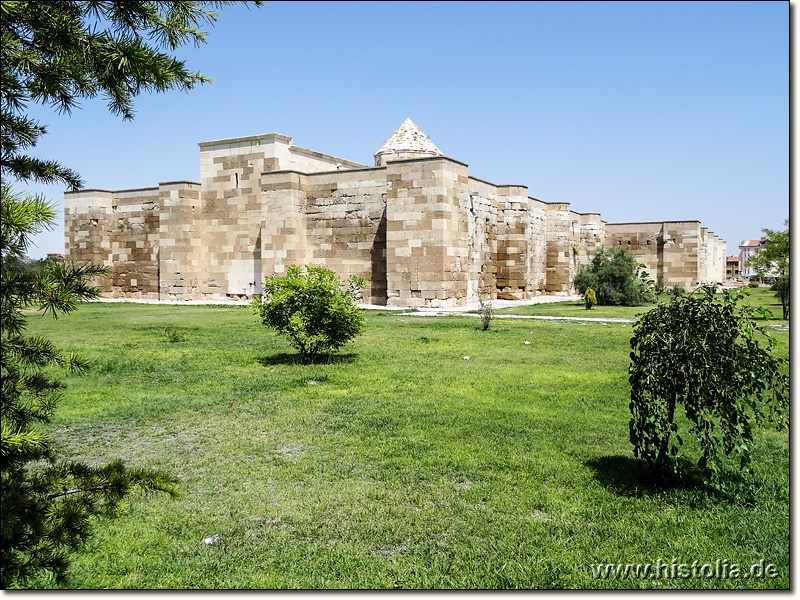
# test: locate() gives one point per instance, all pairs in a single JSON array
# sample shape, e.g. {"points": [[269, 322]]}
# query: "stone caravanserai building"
{"points": [[417, 226]]}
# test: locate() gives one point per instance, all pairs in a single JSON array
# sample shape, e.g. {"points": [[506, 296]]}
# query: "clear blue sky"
{"points": [[640, 111]]}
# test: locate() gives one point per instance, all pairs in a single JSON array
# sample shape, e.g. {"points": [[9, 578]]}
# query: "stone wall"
{"points": [[513, 235], [427, 233], [420, 230], [482, 218], [128, 232], [88, 226], [346, 225], [558, 232], [254, 211], [643, 240], [713, 265], [589, 236], [180, 240], [674, 252], [252, 223]]}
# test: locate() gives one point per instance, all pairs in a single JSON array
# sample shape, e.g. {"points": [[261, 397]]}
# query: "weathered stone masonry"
{"points": [[417, 226]]}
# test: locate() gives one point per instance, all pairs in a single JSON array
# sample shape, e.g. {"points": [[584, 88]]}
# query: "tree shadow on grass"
{"points": [[285, 358], [628, 476], [634, 477]]}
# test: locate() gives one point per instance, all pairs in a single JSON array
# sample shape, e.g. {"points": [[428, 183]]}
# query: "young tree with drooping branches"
{"points": [[708, 354]]}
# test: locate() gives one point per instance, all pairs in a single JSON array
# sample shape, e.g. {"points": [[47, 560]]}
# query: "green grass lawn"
{"points": [[398, 465], [757, 297], [576, 308]]}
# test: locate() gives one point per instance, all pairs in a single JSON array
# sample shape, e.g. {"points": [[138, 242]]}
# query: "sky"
{"points": [[641, 111]]}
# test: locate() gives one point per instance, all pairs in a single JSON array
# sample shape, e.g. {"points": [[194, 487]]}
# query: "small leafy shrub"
{"points": [[173, 335], [313, 309], [486, 310], [703, 353], [677, 290], [616, 278], [589, 298], [753, 284]]}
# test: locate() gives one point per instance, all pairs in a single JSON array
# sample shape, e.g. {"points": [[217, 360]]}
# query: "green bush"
{"points": [[313, 310], [589, 298], [753, 284], [616, 278], [703, 353], [677, 290]]}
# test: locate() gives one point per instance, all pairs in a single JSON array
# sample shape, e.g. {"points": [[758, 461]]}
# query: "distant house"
{"points": [[747, 249], [55, 257], [732, 267]]}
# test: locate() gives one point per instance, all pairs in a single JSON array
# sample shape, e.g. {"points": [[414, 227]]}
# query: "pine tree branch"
{"points": [[94, 488]]}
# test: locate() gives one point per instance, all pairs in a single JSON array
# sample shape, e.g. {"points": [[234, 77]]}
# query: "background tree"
{"points": [[616, 278], [58, 53], [314, 310], [773, 261], [704, 353]]}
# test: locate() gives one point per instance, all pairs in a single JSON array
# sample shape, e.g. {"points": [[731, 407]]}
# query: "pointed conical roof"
{"points": [[408, 141]]}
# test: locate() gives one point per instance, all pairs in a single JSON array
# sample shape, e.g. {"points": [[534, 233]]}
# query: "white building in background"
{"points": [[747, 249]]}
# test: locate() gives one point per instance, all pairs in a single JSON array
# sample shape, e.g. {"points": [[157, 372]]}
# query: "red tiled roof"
{"points": [[732, 259], [750, 243]]}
